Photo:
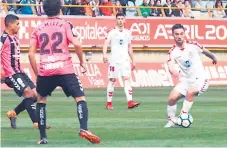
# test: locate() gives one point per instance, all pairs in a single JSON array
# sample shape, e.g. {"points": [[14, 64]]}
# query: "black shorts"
{"points": [[19, 82], [70, 84]]}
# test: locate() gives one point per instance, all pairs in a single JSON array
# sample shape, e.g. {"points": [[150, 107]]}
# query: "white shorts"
{"points": [[119, 69], [200, 84]]}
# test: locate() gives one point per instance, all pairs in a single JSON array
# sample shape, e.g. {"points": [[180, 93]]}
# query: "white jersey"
{"points": [[119, 41], [189, 61]]}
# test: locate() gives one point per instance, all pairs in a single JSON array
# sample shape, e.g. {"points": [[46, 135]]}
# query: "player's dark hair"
{"points": [[52, 7], [177, 26], [120, 14], [10, 18]]}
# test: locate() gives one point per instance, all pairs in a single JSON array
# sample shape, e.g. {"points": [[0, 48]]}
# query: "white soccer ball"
{"points": [[185, 120]]}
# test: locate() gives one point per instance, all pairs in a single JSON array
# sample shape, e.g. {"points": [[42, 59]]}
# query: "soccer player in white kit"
{"points": [[119, 39], [185, 63]]}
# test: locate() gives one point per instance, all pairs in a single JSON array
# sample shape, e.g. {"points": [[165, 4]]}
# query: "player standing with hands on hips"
{"points": [[56, 68], [185, 63], [119, 39]]}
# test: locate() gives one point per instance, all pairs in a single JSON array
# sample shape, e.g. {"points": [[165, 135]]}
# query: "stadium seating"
{"points": [[132, 8]]}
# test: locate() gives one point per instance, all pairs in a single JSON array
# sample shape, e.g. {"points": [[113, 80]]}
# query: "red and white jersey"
{"points": [[189, 61], [53, 37], [119, 41]]}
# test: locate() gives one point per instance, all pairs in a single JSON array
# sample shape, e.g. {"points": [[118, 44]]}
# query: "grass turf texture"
{"points": [[139, 127]]}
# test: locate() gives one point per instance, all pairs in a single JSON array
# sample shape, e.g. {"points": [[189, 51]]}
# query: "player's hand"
{"points": [[105, 59], [214, 61], [84, 69], [2, 78], [2, 81], [133, 66]]}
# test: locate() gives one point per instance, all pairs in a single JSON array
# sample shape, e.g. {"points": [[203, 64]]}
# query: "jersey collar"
{"points": [[182, 48]]}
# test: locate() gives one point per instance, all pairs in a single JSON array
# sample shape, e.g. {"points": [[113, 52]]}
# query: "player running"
{"points": [[121, 51], [56, 68], [185, 63], [12, 74]]}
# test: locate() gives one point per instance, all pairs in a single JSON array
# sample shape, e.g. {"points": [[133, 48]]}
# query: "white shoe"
{"points": [[174, 120], [169, 124]]}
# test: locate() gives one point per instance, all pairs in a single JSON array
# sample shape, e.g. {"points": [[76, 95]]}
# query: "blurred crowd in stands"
{"points": [[149, 8]]}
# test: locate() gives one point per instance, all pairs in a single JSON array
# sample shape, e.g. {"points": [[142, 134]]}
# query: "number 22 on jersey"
{"points": [[55, 39]]}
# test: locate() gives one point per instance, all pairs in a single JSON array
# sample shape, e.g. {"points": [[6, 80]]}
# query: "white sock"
{"points": [[186, 106], [171, 112], [128, 89], [110, 91]]}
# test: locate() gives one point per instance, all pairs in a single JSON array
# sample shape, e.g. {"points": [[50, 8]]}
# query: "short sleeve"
{"points": [[110, 34], [199, 48], [3, 42], [130, 37], [70, 32], [1, 45], [170, 56]]}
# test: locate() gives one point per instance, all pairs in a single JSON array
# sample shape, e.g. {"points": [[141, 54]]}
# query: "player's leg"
{"points": [[34, 95], [21, 107], [12, 114], [195, 89], [18, 109], [112, 75], [30, 106], [110, 91], [82, 112], [45, 86], [72, 86], [125, 71], [22, 88], [176, 94], [35, 98], [128, 92], [41, 116]]}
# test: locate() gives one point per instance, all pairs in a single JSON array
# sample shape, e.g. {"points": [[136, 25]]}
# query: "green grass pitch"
{"points": [[140, 127]]}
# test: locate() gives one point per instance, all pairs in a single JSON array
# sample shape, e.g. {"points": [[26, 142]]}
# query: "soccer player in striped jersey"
{"points": [[12, 74]]}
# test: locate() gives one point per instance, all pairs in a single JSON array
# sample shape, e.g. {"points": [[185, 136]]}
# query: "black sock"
{"points": [[41, 115], [82, 112], [34, 101], [31, 108], [20, 107]]}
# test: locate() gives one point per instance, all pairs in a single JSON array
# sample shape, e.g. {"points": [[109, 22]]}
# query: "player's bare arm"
{"points": [[72, 37], [79, 52], [130, 52], [2, 72], [210, 55], [31, 56], [105, 47], [2, 76]]}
